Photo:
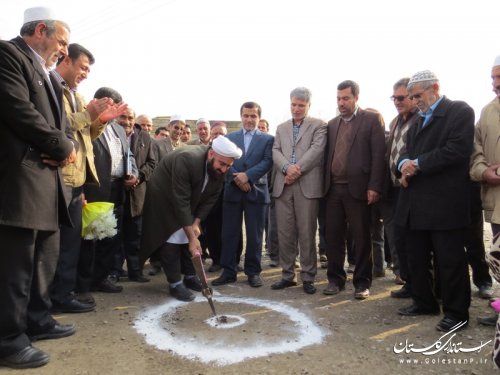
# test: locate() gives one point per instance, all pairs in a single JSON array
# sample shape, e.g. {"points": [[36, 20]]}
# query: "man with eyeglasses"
{"points": [[433, 203], [181, 192], [395, 146]]}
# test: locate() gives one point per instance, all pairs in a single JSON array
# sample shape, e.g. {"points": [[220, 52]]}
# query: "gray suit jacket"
{"points": [[309, 150]]}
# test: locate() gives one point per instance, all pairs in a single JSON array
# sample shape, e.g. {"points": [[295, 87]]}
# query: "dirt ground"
{"points": [[359, 337]]}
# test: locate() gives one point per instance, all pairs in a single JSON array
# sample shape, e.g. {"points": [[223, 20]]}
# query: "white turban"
{"points": [[177, 118], [224, 147], [424, 75], [203, 121], [497, 61], [39, 14]]}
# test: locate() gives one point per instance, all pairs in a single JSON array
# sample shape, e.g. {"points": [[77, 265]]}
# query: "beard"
{"points": [[213, 173]]}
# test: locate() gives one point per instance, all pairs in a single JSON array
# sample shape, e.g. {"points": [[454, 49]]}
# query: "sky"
{"points": [[204, 58]]}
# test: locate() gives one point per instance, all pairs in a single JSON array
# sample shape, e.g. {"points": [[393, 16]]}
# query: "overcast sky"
{"points": [[204, 58]]}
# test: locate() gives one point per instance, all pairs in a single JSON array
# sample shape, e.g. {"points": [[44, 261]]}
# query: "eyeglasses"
{"points": [[398, 98], [418, 96]]}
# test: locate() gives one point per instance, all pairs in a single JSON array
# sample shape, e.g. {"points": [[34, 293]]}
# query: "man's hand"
{"points": [[130, 181], [113, 112], [490, 175], [98, 106], [293, 171], [196, 227], [372, 196], [54, 163], [409, 168], [194, 246], [289, 180], [241, 180], [404, 181]]}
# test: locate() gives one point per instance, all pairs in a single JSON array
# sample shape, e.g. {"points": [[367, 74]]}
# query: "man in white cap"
{"points": [[203, 131], [182, 190], [35, 142], [486, 163], [433, 202]]}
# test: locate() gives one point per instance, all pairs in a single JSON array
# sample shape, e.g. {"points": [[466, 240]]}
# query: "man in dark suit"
{"points": [[434, 201], [35, 142], [354, 174], [141, 145], [246, 192], [117, 171], [174, 208]]}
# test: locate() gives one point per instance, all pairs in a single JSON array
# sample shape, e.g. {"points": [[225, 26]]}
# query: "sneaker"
{"points": [[361, 293], [181, 293]]}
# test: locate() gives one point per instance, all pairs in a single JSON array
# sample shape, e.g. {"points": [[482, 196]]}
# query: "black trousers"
{"points": [[129, 251], [451, 262], [107, 248], [176, 261], [69, 252], [27, 265], [474, 240], [342, 208]]}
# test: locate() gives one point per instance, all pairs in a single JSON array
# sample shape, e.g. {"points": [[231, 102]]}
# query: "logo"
{"points": [[446, 344]]}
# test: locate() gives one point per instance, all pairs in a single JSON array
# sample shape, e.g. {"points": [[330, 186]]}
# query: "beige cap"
{"points": [[177, 118]]}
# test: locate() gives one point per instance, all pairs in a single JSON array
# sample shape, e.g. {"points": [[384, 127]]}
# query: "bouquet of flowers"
{"points": [[98, 221]]}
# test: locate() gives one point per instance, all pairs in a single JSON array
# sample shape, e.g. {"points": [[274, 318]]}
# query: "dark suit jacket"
{"points": [[145, 158], [365, 169], [102, 159], [161, 148], [32, 122], [174, 196], [437, 198], [255, 163]]}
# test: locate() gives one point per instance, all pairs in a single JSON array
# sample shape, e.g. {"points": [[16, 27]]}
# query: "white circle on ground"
{"points": [[149, 324], [232, 321]]}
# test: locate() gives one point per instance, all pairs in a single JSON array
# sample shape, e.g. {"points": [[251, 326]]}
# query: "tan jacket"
{"points": [[309, 151], [486, 152], [84, 132]]}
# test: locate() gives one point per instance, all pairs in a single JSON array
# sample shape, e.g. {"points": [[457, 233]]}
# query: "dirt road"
{"points": [[289, 331]]}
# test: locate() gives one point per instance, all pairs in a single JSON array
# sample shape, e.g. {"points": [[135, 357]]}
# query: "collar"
{"points": [[354, 114], [252, 132], [431, 109], [299, 124], [40, 59]]}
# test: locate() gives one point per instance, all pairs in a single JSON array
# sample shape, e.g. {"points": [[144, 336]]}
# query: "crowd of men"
{"points": [[427, 180]]}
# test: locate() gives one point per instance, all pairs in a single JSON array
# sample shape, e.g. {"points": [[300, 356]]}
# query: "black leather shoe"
{"points": [[155, 270], [447, 324], [181, 293], [415, 310], [28, 357], [193, 283], [255, 281], [223, 279], [490, 321], [401, 293], [73, 306], [107, 286], [309, 287], [56, 332], [85, 298], [139, 279], [214, 268], [282, 284]]}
